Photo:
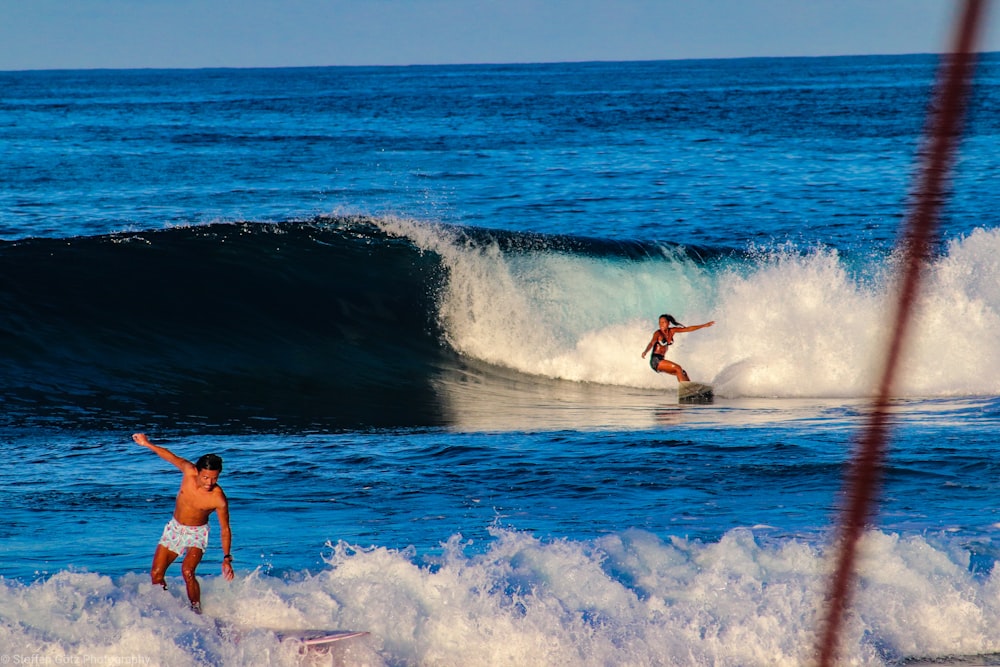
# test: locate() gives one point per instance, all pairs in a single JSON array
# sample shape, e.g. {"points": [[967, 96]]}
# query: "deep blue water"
{"points": [[407, 305]]}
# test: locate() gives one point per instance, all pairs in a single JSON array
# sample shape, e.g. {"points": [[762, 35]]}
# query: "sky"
{"points": [[85, 34]]}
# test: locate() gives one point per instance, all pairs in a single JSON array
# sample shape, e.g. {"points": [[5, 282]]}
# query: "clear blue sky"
{"points": [[47, 34]]}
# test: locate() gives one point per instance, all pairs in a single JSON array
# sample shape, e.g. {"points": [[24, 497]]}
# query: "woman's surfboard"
{"points": [[694, 392]]}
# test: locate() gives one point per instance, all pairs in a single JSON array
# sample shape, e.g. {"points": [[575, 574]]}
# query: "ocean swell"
{"points": [[249, 321], [347, 322]]}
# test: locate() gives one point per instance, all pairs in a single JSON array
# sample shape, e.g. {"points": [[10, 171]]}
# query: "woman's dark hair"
{"points": [[209, 462], [671, 320]]}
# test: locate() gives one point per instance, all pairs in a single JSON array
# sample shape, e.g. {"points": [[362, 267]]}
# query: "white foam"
{"points": [[790, 322], [626, 598]]}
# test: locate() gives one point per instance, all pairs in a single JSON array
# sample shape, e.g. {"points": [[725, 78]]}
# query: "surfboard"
{"points": [[306, 639], [318, 637], [694, 392]]}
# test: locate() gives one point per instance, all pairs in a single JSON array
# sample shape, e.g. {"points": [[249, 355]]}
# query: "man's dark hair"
{"points": [[209, 462]]}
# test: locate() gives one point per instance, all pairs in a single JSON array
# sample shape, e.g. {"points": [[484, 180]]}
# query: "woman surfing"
{"points": [[664, 338]]}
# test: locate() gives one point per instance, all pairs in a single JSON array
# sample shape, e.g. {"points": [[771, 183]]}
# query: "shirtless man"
{"points": [[199, 496]]}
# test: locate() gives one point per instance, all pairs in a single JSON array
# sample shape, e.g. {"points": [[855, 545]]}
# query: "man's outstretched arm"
{"points": [[183, 464]]}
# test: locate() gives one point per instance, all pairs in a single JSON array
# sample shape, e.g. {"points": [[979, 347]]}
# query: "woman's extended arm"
{"points": [[694, 328]]}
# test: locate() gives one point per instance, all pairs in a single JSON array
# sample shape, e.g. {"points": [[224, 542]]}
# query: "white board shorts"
{"points": [[179, 538]]}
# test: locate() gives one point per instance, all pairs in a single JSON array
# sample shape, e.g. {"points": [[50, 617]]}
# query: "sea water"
{"points": [[407, 306]]}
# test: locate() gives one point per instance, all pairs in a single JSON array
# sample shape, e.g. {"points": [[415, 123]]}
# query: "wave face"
{"points": [[349, 322], [221, 322], [333, 321]]}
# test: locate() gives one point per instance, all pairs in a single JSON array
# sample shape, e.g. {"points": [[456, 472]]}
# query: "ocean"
{"points": [[407, 305]]}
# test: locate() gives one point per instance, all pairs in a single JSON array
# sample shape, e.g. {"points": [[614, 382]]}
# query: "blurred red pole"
{"points": [[941, 136]]}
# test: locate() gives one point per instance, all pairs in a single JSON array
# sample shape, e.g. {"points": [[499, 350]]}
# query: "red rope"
{"points": [[942, 133]]}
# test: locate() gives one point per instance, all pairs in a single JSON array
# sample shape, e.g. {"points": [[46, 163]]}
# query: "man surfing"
{"points": [[664, 338], [187, 531]]}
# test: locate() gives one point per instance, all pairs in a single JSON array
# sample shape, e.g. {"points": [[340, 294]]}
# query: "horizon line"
{"points": [[485, 63]]}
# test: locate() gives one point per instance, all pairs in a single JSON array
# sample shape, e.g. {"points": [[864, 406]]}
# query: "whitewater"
{"points": [[626, 599], [794, 322]]}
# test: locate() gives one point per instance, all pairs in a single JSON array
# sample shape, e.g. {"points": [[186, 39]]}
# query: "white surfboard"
{"points": [[318, 637], [694, 392]]}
